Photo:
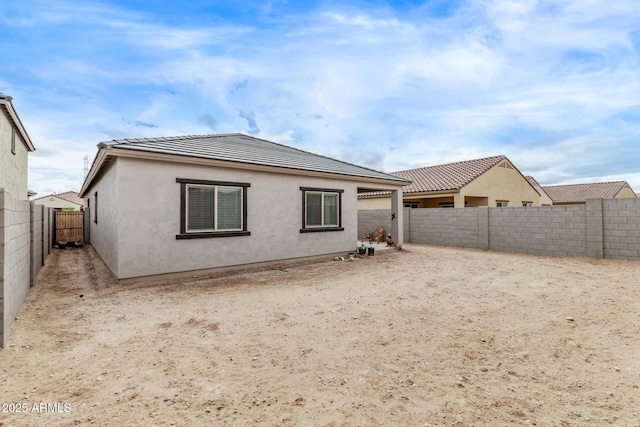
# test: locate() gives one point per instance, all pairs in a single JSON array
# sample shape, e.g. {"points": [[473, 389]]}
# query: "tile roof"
{"points": [[579, 193], [447, 177], [450, 176], [242, 148], [69, 196]]}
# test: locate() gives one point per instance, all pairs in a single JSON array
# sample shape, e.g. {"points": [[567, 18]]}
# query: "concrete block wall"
{"points": [[40, 240], [545, 230], [24, 246], [445, 227], [621, 228], [368, 221], [15, 258], [598, 229]]}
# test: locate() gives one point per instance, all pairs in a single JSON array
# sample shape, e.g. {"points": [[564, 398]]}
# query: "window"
{"points": [[322, 209], [446, 205], [212, 209], [527, 204], [412, 205], [13, 141], [502, 203], [95, 208]]}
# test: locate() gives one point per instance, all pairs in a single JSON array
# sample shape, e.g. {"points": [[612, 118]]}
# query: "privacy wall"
{"points": [[599, 229], [24, 245]]}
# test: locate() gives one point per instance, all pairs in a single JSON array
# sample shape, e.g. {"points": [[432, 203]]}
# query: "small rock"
{"points": [[570, 319]]}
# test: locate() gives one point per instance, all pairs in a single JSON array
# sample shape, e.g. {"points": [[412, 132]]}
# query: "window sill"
{"points": [[212, 234], [320, 229]]}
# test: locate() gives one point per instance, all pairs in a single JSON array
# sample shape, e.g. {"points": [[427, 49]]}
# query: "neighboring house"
{"points": [[15, 144], [492, 181], [202, 202], [576, 194], [545, 200], [68, 201]]}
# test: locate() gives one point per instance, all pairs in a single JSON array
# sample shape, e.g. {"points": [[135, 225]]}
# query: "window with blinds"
{"points": [[212, 209]]}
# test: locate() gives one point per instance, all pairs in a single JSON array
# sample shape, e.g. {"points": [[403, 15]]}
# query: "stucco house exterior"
{"points": [[15, 145], [68, 200], [492, 181], [545, 200], [578, 194], [198, 203]]}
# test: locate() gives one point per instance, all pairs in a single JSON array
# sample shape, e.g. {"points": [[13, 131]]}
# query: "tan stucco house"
{"points": [[198, 203], [492, 181], [545, 200], [576, 194], [15, 145], [68, 200]]}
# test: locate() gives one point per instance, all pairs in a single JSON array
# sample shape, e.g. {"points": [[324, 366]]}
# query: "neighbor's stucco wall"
{"points": [[13, 167], [104, 233], [374, 203], [502, 183], [149, 220], [625, 193], [498, 183], [56, 203]]}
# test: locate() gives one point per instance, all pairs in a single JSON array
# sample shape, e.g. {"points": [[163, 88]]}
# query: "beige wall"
{"points": [[138, 224], [501, 183], [498, 183], [56, 203], [13, 167], [625, 193], [374, 203]]}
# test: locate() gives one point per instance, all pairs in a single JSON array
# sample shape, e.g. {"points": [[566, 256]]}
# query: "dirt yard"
{"points": [[425, 336]]}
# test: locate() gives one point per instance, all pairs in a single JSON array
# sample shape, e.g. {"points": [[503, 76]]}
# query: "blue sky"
{"points": [[553, 85]]}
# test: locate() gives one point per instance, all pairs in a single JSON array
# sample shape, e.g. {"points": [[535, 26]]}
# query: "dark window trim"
{"points": [[13, 141], [321, 229], [95, 208], [209, 234]]}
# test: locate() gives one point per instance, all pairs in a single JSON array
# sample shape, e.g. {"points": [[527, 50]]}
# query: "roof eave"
{"points": [[107, 151], [8, 105]]}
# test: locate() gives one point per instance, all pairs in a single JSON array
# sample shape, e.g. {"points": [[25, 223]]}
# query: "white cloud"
{"points": [[390, 90]]}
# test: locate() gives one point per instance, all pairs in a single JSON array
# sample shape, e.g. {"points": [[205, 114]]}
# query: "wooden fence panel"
{"points": [[69, 226]]}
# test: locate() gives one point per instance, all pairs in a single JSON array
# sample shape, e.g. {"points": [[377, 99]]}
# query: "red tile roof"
{"points": [[579, 193]]}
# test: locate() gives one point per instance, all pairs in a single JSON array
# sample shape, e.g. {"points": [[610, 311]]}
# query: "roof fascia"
{"points": [[110, 150], [93, 172], [8, 105]]}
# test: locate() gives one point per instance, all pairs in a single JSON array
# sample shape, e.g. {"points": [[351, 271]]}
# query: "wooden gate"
{"points": [[68, 227]]}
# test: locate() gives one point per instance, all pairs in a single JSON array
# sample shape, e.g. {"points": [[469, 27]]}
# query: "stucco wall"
{"points": [[374, 203], [626, 192], [501, 183], [601, 228], [15, 259], [104, 233], [498, 183], [13, 167], [148, 219]]}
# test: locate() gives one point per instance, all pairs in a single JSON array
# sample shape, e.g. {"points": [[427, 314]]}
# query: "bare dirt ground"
{"points": [[425, 336]]}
